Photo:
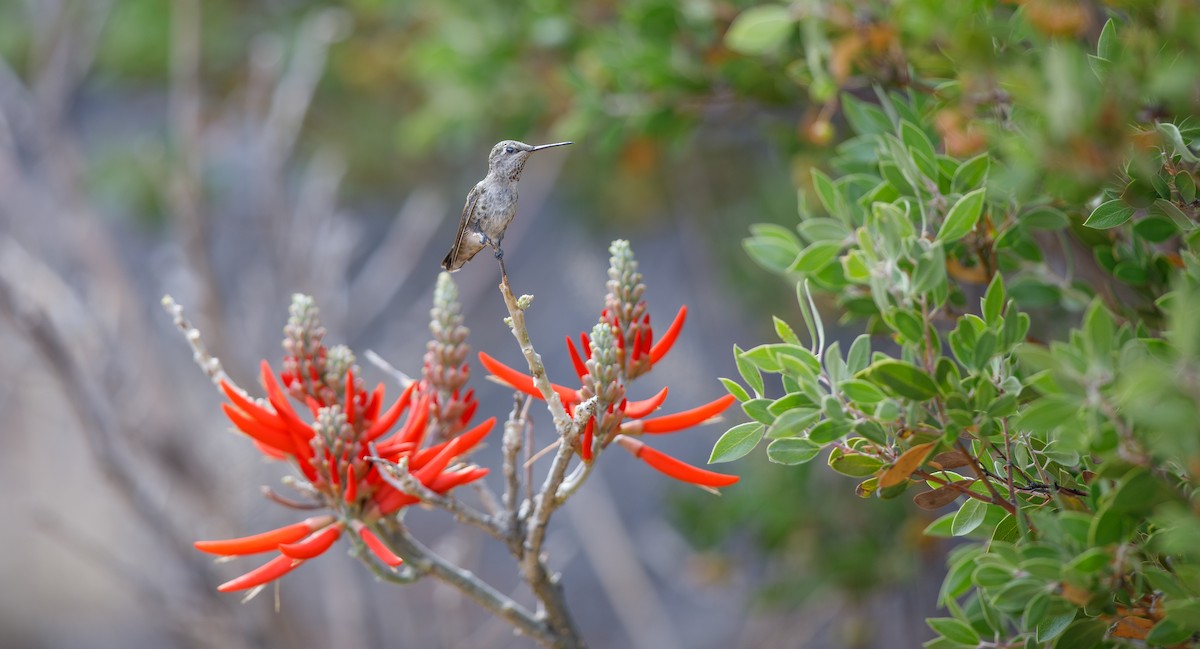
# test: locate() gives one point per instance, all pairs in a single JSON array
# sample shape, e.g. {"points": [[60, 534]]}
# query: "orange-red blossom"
{"points": [[350, 485], [633, 413]]}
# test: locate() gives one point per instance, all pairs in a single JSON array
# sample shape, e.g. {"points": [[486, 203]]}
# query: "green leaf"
{"points": [[737, 442], [1082, 634], [793, 422], [757, 410], [831, 198], [861, 392], [968, 517], [854, 464], [784, 331], [971, 174], [1171, 134], [829, 430], [1109, 215], [1172, 211], [954, 630], [1186, 612], [1155, 229], [1099, 328], [1106, 46], [941, 526], [962, 217], [816, 256], [735, 388], [759, 30], [1044, 217], [859, 355], [864, 118], [816, 229], [902, 378], [749, 372], [993, 301], [1049, 412], [921, 148], [1052, 625], [774, 255], [1168, 632], [792, 450], [1186, 186]]}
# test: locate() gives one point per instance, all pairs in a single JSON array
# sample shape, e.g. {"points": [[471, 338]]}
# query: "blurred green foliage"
{"points": [[1015, 216]]}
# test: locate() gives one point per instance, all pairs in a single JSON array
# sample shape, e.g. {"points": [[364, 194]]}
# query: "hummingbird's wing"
{"points": [[468, 209]]}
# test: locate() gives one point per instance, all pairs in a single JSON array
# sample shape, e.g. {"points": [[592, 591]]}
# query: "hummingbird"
{"points": [[492, 204]]}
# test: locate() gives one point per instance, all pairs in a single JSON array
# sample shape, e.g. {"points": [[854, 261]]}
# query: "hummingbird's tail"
{"points": [[448, 263]]}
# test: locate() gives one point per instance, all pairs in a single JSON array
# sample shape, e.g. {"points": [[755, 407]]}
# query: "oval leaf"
{"points": [[792, 450], [1109, 215], [760, 29], [962, 217], [736, 442], [901, 378]]}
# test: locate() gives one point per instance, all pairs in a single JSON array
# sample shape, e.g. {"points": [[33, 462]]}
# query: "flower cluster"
{"points": [[621, 348], [334, 450]]}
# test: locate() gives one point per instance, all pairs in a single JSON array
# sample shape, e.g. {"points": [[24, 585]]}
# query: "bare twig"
{"points": [[562, 421], [424, 561]]}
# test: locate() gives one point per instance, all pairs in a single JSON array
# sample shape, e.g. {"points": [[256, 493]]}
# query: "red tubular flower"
{"points": [[660, 348], [674, 468], [313, 545], [631, 414], [346, 482], [639, 409], [266, 573], [376, 546], [585, 448], [523, 382], [680, 420], [266, 541]]}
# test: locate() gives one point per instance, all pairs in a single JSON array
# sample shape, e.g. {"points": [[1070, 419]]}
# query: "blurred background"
{"points": [[232, 152]]}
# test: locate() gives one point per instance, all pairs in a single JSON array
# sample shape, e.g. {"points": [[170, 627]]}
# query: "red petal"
{"points": [[646, 339], [523, 382], [377, 547], [389, 418], [639, 409], [351, 493], [580, 366], [663, 345], [265, 435], [587, 344], [585, 449], [636, 346], [471, 438], [314, 545], [391, 499], [349, 398], [268, 572], [299, 430], [266, 541], [685, 419], [674, 468], [374, 404], [447, 481]]}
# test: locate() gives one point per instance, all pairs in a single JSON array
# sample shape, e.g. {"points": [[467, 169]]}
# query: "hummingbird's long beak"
{"points": [[547, 146]]}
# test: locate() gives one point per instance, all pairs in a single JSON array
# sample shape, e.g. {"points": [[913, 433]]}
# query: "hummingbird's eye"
{"points": [[509, 149]]}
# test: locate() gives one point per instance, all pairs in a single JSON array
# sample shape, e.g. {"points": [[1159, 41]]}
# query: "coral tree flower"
{"points": [[620, 349], [342, 425]]}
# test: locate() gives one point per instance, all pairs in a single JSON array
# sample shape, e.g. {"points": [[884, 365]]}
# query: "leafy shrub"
{"points": [[1031, 355]]}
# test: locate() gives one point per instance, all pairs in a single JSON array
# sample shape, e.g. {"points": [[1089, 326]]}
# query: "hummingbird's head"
{"points": [[507, 158]]}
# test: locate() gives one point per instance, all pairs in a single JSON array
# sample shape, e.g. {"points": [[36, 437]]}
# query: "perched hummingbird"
{"points": [[492, 204]]}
